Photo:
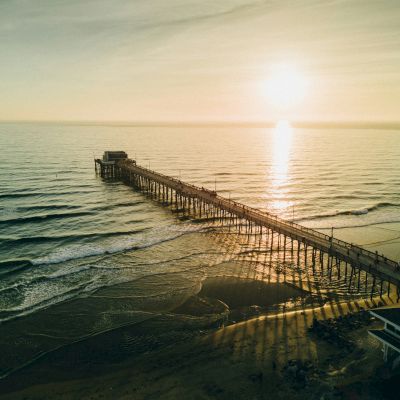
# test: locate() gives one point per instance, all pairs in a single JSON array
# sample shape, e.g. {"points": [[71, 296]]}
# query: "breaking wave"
{"points": [[360, 211], [80, 251]]}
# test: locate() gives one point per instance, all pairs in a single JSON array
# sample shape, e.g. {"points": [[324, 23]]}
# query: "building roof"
{"points": [[116, 153], [390, 314], [383, 336]]}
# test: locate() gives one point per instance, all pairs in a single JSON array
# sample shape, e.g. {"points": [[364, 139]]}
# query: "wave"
{"points": [[65, 272], [371, 223], [132, 203], [45, 278], [46, 217], [74, 252], [383, 205], [48, 207], [11, 266], [360, 211], [47, 194], [89, 285], [92, 210], [16, 312], [7, 242], [13, 263], [16, 195]]}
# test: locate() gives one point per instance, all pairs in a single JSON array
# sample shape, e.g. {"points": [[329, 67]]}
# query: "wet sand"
{"points": [[245, 360], [236, 299], [239, 292]]}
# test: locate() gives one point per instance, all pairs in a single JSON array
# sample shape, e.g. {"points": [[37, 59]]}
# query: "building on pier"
{"points": [[107, 166], [390, 334], [113, 156]]}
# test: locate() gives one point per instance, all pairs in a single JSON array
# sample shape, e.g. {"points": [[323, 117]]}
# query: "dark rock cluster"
{"points": [[334, 330]]}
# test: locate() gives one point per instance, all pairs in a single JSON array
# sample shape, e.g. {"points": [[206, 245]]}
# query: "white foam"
{"points": [[114, 245], [360, 212]]}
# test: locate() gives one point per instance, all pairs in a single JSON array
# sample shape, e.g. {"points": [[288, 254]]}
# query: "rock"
{"points": [[292, 370]]}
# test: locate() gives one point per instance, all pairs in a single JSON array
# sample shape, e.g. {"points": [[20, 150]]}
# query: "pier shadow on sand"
{"points": [[215, 345]]}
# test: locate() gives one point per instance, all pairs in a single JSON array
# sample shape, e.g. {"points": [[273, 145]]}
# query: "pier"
{"points": [[347, 259]]}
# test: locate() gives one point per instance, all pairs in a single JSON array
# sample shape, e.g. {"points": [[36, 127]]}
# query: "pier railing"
{"points": [[256, 213], [191, 197]]}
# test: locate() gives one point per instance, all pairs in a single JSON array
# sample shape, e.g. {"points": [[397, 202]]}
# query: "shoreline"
{"points": [[266, 343]]}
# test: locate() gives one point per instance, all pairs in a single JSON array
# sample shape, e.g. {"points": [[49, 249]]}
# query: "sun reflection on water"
{"points": [[281, 146]]}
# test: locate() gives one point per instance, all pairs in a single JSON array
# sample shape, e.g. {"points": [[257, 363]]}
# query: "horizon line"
{"points": [[383, 124]]}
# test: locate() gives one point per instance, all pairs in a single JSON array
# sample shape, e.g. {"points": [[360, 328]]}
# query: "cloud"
{"points": [[159, 54], [142, 13]]}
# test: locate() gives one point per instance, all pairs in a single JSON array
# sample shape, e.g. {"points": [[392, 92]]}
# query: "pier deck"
{"points": [[190, 196]]}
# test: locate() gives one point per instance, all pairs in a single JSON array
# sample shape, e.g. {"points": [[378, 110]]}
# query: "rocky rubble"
{"points": [[334, 330]]}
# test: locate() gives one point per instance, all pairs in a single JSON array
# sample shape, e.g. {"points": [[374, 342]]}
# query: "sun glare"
{"points": [[281, 146], [286, 86]]}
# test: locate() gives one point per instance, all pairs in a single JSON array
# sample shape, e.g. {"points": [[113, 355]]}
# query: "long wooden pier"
{"points": [[197, 201]]}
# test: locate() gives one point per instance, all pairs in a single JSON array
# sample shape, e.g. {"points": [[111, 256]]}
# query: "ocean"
{"points": [[80, 256]]}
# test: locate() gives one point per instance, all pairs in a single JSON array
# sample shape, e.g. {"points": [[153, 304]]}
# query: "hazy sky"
{"points": [[197, 60]]}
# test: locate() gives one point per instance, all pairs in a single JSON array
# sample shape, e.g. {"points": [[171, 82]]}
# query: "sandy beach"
{"points": [[270, 356]]}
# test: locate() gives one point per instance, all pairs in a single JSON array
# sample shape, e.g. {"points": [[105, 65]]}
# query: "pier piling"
{"points": [[190, 200]]}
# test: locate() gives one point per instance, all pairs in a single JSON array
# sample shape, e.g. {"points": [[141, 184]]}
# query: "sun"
{"points": [[286, 86]]}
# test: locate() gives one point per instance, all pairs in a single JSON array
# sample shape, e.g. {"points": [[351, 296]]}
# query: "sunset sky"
{"points": [[199, 60]]}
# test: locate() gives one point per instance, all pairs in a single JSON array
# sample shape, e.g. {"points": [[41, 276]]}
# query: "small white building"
{"points": [[390, 334]]}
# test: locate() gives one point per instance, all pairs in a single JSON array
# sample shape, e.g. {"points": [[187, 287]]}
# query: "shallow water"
{"points": [[65, 234]]}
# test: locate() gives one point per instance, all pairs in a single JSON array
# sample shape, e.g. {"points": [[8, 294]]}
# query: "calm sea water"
{"points": [[64, 233]]}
